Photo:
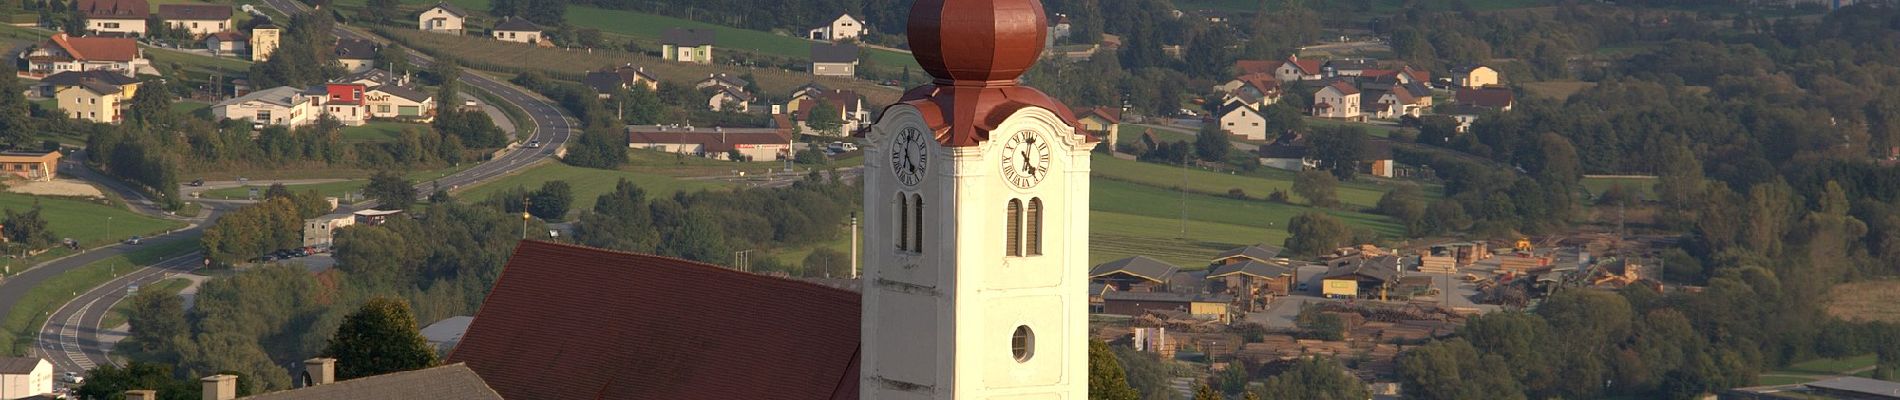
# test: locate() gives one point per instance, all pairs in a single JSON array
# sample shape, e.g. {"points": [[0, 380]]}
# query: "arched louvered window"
{"points": [[917, 223], [1034, 227], [1012, 235], [903, 222]]}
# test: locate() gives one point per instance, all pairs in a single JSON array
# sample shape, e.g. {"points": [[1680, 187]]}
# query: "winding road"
{"points": [[70, 338]]}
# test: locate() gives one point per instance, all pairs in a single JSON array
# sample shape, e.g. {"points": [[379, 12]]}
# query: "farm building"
{"points": [[1137, 303], [1243, 254], [1134, 274], [1355, 277], [1254, 282]]}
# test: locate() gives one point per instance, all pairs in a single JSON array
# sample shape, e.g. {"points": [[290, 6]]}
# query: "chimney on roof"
{"points": [[319, 371], [776, 109], [220, 387], [141, 395]]}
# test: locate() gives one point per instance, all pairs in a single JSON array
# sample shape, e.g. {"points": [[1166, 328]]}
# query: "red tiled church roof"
{"points": [[569, 322]]}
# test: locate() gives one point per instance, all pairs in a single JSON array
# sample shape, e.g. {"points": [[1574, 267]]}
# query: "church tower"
{"points": [[976, 195]]}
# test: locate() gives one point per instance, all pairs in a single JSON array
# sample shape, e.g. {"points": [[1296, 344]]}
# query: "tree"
{"points": [[1284, 117], [16, 128], [391, 191], [1212, 143], [1318, 188], [1207, 392], [1313, 378], [379, 338], [379, 11], [552, 201], [151, 107], [28, 228], [1339, 150], [155, 318], [1107, 380], [825, 118], [698, 239], [392, 58], [111, 381], [1315, 233]]}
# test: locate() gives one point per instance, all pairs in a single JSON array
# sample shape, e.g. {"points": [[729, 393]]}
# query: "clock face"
{"points": [[910, 154], [1025, 159]]}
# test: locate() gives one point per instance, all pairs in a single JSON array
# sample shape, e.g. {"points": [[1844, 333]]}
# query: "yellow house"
{"points": [[264, 42], [1474, 76], [95, 101]]}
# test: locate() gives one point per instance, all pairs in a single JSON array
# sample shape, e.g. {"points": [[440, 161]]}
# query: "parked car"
{"points": [[72, 378], [198, 182]]}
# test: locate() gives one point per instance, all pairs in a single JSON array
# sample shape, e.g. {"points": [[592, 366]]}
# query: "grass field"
{"points": [[1263, 182], [1831, 366], [1643, 186], [588, 183], [31, 311], [379, 131], [85, 221], [1131, 133], [188, 107], [1147, 220], [1876, 300], [571, 64], [123, 309], [338, 189], [1371, 129]]}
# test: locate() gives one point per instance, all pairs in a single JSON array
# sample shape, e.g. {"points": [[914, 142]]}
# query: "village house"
{"points": [[518, 30], [834, 59], [25, 377], [282, 105], [845, 27], [849, 104], [197, 19], [119, 18], [61, 53], [345, 103], [1207, 306], [721, 80], [1239, 118], [1394, 102], [1253, 283], [1134, 274], [356, 55], [373, 78], [687, 45], [1104, 122], [1295, 69], [227, 43], [754, 144], [1258, 90], [1473, 76], [1495, 98], [30, 165], [93, 100], [1289, 152], [321, 231], [397, 102], [442, 18], [50, 86], [610, 80], [1338, 100], [727, 98], [1463, 114], [1349, 67], [264, 39]]}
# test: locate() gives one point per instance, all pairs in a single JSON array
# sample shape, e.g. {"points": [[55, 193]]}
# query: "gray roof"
{"points": [[834, 53], [513, 24], [452, 9], [687, 37], [73, 78], [603, 81], [281, 95], [1167, 297], [377, 75], [1873, 387], [1141, 266], [1257, 252], [355, 49], [1233, 106], [448, 330], [1460, 109], [403, 92], [1385, 268], [1251, 267], [453, 381], [18, 365]]}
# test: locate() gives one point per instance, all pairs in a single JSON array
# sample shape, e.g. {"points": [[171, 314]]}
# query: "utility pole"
{"points": [[854, 245], [524, 218]]}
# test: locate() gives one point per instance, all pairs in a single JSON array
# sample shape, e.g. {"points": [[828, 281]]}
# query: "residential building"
{"points": [[1394, 102], [1463, 114], [518, 30], [264, 40], [687, 45], [755, 144], [227, 43], [62, 52], [1208, 306], [1349, 67], [1289, 152], [1239, 118], [726, 98], [1474, 76], [197, 19], [722, 80], [720, 323], [445, 334], [118, 18], [1295, 69], [95, 101], [318, 382], [50, 85], [1496, 98], [1258, 90], [344, 102], [24, 377], [442, 18], [282, 105], [397, 102], [609, 80], [1103, 122], [1338, 100], [374, 77], [849, 105], [834, 59], [840, 29], [321, 231], [356, 55], [30, 165], [1134, 274]]}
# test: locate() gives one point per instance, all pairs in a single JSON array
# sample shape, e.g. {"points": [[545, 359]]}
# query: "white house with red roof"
{"points": [[755, 144], [1295, 69], [122, 18], [62, 52], [1338, 100]]}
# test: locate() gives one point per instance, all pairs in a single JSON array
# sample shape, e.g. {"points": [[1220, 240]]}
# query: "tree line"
{"points": [[709, 226]]}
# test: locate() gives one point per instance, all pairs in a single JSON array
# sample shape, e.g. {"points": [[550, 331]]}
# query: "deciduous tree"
{"points": [[380, 338]]}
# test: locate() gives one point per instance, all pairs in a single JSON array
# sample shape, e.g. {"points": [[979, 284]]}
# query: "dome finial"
{"points": [[977, 42]]}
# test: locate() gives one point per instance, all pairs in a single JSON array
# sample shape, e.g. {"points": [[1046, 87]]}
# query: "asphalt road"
{"points": [[70, 337], [553, 127]]}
